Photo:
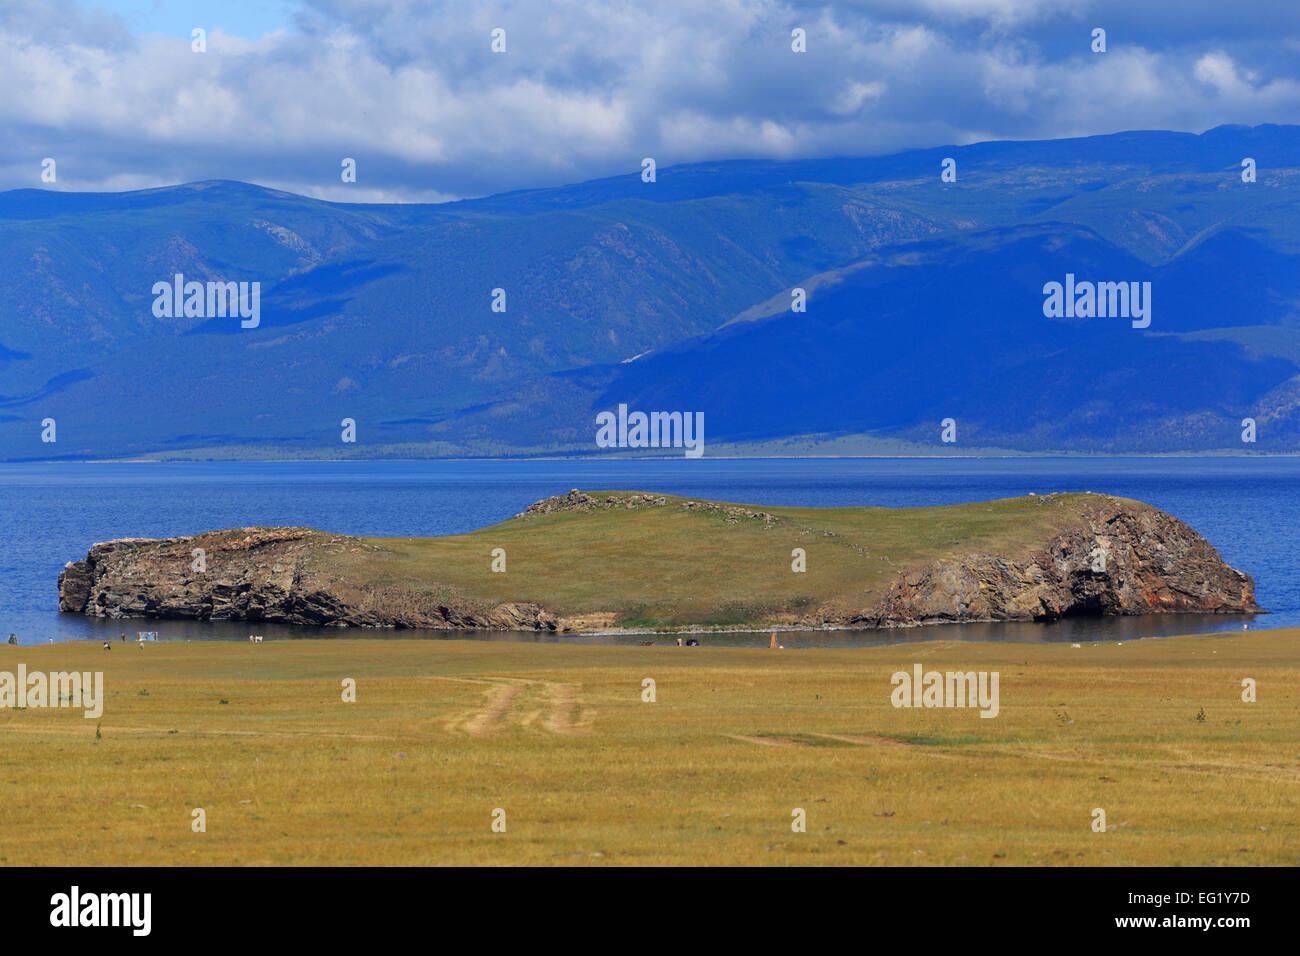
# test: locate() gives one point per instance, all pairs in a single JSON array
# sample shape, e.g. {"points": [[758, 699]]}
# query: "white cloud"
{"points": [[586, 90], [1218, 70], [855, 94]]}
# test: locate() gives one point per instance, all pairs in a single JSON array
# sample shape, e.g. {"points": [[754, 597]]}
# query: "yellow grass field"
{"points": [[444, 732]]}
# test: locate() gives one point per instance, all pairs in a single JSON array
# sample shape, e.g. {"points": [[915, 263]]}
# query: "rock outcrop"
{"points": [[1124, 561], [276, 575], [580, 501], [1106, 557]]}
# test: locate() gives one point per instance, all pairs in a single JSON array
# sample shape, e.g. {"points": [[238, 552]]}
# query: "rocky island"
{"points": [[591, 561]]}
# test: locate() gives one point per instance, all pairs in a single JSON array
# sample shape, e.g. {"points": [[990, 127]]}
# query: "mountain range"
{"points": [[923, 309]]}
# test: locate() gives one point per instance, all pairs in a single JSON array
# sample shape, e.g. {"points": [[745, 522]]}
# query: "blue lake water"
{"points": [[51, 513]]}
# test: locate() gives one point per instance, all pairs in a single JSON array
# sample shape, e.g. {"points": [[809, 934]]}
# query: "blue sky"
{"points": [[286, 89], [249, 19]]}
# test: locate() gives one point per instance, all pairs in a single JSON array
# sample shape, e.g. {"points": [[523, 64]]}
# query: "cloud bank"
{"points": [[415, 94]]}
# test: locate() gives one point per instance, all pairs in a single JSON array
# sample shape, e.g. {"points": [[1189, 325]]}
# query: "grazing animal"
{"points": [[774, 645], [108, 646], [255, 638], [647, 643], [692, 643]]}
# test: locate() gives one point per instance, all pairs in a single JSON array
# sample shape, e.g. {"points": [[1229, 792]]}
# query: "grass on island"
{"points": [[1154, 732], [666, 567]]}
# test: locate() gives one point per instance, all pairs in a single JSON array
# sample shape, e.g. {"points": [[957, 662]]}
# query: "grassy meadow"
{"points": [[666, 567], [442, 733]]}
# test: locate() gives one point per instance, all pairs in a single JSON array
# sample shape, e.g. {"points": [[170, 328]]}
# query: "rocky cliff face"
{"points": [[278, 575], [1123, 560], [1114, 557]]}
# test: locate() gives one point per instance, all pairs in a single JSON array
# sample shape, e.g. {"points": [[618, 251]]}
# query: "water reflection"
{"points": [[1078, 629]]}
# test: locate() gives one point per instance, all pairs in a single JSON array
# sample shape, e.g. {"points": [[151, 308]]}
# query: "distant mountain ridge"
{"points": [[924, 303]]}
